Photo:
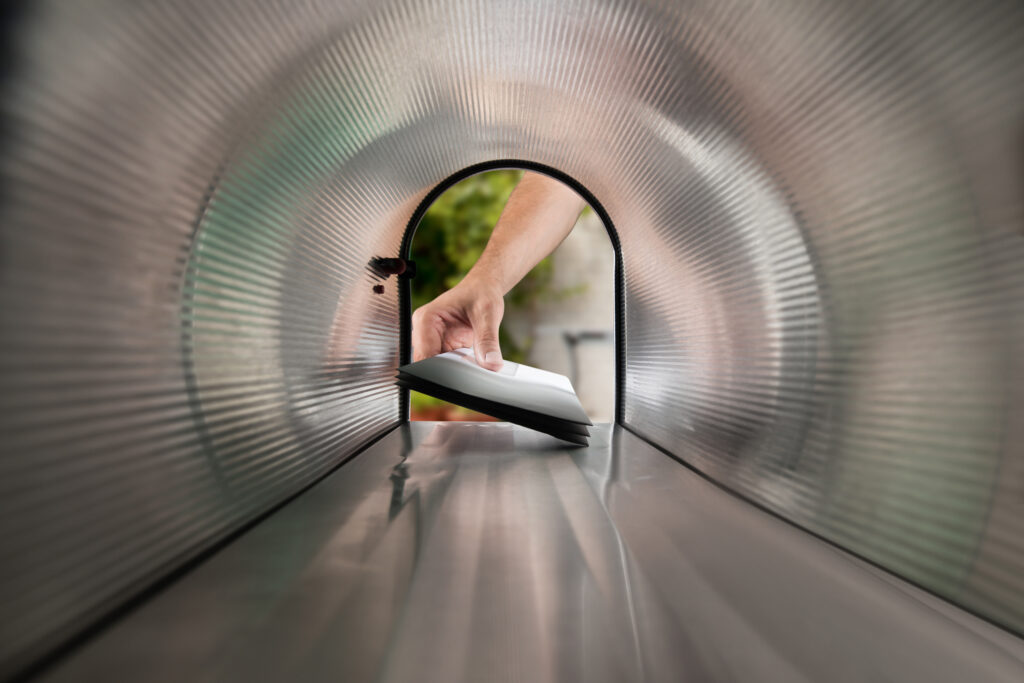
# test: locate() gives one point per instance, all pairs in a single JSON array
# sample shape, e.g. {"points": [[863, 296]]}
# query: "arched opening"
{"points": [[564, 316]]}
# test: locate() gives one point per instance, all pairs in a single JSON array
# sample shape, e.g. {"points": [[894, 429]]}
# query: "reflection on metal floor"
{"points": [[470, 552]]}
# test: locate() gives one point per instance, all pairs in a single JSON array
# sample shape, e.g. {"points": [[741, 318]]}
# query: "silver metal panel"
{"points": [[825, 300], [819, 205], [487, 552]]}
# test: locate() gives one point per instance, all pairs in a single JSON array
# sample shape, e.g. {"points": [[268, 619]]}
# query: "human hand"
{"points": [[467, 315]]}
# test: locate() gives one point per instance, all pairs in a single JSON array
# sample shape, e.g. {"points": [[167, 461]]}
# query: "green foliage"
{"points": [[421, 403], [453, 234], [455, 230]]}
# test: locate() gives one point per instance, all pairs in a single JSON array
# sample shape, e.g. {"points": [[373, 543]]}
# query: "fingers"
{"points": [[459, 318], [426, 341], [485, 320]]}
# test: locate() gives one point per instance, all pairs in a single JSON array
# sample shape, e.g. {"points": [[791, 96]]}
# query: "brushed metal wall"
{"points": [[820, 210]]}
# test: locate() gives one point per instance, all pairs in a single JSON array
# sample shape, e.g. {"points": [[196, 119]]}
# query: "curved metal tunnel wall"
{"points": [[820, 210]]}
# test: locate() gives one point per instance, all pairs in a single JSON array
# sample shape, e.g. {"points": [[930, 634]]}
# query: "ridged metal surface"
{"points": [[825, 313], [819, 205]]}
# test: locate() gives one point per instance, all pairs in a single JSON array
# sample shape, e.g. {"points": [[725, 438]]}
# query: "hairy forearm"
{"points": [[539, 214]]}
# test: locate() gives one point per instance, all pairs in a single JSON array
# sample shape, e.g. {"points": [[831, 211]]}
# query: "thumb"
{"points": [[485, 321]]}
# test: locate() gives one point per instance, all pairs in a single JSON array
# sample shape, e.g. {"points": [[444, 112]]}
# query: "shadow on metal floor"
{"points": [[470, 552]]}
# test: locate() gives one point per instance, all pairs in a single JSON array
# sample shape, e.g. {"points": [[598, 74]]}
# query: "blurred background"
{"points": [[559, 317]]}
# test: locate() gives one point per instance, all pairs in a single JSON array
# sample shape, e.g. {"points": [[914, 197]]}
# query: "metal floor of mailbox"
{"points": [[485, 551]]}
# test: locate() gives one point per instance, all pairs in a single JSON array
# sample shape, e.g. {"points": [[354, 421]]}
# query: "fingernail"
{"points": [[493, 358]]}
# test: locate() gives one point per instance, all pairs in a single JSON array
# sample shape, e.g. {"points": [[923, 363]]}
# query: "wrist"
{"points": [[484, 283]]}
